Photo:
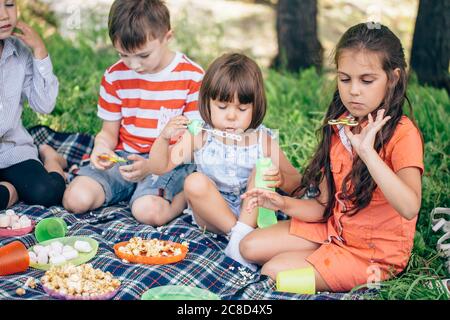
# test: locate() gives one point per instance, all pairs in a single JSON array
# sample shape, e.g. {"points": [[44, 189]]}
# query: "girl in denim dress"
{"points": [[232, 101]]}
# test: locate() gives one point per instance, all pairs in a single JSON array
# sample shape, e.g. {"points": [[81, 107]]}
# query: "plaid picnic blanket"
{"points": [[205, 266]]}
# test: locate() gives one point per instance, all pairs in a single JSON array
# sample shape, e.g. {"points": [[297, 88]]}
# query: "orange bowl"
{"points": [[151, 260]]}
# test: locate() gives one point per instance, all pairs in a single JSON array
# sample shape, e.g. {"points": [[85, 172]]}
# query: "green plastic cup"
{"points": [[50, 228], [301, 281]]}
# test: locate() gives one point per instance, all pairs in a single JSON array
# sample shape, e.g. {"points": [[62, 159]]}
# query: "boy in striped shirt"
{"points": [[139, 94]]}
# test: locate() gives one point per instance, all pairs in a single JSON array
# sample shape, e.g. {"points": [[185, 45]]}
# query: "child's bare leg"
{"points": [[210, 208], [83, 194], [13, 196], [245, 225], [245, 217], [293, 260], [157, 211], [53, 161], [263, 244]]}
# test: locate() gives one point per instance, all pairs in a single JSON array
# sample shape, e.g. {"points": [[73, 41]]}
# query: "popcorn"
{"points": [[31, 283], [20, 291], [150, 248], [79, 281]]}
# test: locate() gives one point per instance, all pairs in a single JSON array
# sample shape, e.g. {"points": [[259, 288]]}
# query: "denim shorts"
{"points": [[117, 189], [232, 199]]}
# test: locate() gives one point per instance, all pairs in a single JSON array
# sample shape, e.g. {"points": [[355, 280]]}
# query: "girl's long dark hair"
{"points": [[380, 40]]}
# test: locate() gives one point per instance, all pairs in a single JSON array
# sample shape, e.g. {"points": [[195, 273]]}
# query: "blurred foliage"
{"points": [[297, 103]]}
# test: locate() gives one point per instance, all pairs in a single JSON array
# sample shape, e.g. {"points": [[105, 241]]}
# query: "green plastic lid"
{"points": [[195, 126], [178, 293], [50, 228], [266, 218], [83, 257]]}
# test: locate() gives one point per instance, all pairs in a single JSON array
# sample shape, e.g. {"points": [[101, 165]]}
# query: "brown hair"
{"points": [[229, 75], [132, 23], [382, 41]]}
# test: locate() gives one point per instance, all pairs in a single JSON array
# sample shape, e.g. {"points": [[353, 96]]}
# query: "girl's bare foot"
{"points": [[53, 161]]}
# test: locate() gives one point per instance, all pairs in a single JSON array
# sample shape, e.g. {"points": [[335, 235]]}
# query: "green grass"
{"points": [[296, 107]]}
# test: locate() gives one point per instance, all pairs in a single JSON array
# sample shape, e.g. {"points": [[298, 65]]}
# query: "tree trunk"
{"points": [[298, 43], [431, 43]]}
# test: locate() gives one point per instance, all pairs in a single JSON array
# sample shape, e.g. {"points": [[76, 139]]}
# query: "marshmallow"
{"points": [[67, 248], [14, 219], [25, 222], [70, 254], [42, 257], [10, 212], [33, 257], [57, 247], [16, 225], [53, 254], [5, 221], [82, 246], [57, 259], [38, 248]]}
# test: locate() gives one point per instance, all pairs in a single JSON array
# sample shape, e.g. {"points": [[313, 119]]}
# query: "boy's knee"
{"points": [[76, 200], [196, 184], [149, 210]]}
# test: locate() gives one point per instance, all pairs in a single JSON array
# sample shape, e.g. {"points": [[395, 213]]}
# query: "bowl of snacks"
{"points": [[12, 225], [74, 250], [83, 282], [152, 251]]}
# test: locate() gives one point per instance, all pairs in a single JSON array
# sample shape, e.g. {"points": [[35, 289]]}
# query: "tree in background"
{"points": [[298, 42], [430, 52]]}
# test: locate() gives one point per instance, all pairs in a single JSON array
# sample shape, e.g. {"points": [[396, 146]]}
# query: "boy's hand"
{"points": [[273, 174], [174, 126], [264, 198], [100, 163], [137, 171], [32, 39]]}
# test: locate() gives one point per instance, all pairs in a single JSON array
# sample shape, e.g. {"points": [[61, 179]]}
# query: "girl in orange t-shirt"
{"points": [[358, 227]]}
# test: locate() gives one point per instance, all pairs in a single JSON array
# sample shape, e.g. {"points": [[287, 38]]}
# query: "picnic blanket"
{"points": [[205, 266]]}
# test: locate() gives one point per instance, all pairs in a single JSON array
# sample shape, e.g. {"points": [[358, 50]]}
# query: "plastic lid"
{"points": [[14, 258], [50, 228], [195, 126], [172, 292], [83, 257]]}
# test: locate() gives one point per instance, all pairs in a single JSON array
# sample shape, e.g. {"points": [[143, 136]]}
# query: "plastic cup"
{"points": [[301, 281], [50, 228], [14, 258]]}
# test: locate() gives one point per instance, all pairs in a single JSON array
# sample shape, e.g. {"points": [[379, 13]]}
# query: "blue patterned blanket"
{"points": [[205, 266]]}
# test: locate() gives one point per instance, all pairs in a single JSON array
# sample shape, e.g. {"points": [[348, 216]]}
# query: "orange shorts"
{"points": [[340, 268]]}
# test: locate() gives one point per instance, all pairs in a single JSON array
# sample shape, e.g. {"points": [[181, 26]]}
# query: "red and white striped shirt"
{"points": [[146, 102]]}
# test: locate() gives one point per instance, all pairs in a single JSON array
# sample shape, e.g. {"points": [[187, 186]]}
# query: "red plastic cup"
{"points": [[14, 258]]}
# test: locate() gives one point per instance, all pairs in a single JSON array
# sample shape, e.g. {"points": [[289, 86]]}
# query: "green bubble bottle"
{"points": [[266, 217]]}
